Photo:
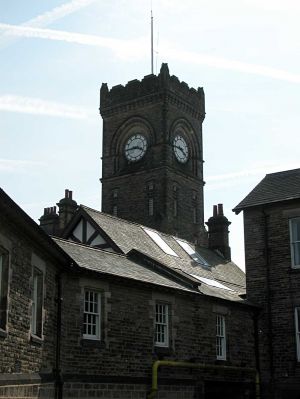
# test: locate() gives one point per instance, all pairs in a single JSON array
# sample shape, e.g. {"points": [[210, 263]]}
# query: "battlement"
{"points": [[150, 85]]}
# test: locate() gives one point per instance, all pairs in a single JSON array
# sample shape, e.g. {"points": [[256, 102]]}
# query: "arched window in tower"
{"points": [[150, 197], [115, 210], [194, 206], [150, 206], [194, 214], [115, 196], [115, 193], [175, 200]]}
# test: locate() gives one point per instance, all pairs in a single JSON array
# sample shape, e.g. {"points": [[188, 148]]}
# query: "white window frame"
{"points": [[297, 331], [93, 316], [162, 311], [294, 243], [220, 337], [37, 309]]}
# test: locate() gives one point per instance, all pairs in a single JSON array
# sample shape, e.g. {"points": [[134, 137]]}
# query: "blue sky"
{"points": [[55, 55]]}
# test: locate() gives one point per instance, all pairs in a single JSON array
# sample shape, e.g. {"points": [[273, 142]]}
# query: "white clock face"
{"points": [[135, 147], [180, 148]]}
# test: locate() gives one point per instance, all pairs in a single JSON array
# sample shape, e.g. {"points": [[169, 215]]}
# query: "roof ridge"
{"points": [[282, 172]]}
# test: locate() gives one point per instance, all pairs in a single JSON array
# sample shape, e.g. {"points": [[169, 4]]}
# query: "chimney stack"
{"points": [[218, 233], [67, 208], [53, 223], [49, 220]]}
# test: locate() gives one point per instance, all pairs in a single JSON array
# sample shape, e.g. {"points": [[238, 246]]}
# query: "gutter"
{"points": [[171, 363]]}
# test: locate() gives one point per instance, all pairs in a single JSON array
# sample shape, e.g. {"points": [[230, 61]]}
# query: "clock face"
{"points": [[135, 147], [180, 148]]}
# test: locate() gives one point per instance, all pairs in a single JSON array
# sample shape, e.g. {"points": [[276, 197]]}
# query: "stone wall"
{"points": [[21, 352], [124, 356], [274, 285]]}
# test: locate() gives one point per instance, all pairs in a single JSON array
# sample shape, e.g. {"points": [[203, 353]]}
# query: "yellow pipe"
{"points": [[172, 363]]}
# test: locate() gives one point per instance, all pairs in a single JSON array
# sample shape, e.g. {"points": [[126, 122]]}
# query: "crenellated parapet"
{"points": [[152, 88]]}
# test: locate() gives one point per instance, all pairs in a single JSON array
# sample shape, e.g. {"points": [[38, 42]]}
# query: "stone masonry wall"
{"points": [[20, 352], [126, 352], [267, 245]]}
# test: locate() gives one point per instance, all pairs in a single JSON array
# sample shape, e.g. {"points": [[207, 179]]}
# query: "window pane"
{"points": [[296, 229], [296, 253], [161, 325], [91, 316], [160, 242], [37, 303], [220, 337]]}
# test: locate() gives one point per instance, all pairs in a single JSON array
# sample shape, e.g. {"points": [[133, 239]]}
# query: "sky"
{"points": [[55, 54]]}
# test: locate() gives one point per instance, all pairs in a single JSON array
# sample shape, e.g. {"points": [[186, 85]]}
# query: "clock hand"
{"points": [[179, 148], [136, 148]]}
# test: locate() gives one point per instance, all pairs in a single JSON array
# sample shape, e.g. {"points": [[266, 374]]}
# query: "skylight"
{"points": [[160, 242], [212, 283], [190, 251]]}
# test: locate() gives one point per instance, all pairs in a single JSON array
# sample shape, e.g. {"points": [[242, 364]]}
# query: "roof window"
{"points": [[160, 242], [212, 283], [191, 251]]}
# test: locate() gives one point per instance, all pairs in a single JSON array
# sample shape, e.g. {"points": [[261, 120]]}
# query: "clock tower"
{"points": [[152, 162]]}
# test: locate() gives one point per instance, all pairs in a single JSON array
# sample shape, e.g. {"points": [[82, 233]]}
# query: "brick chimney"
{"points": [[67, 207], [49, 220], [218, 233]]}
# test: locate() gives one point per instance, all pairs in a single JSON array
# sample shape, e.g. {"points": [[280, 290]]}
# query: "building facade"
{"points": [[140, 301], [272, 249], [109, 318]]}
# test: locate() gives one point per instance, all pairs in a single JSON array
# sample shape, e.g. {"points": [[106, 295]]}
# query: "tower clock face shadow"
{"points": [[135, 147]]}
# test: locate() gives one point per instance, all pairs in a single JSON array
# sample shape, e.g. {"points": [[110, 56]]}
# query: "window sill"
{"points": [[34, 339], [3, 333], [221, 361]]}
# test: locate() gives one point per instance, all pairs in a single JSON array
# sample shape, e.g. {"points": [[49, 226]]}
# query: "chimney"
{"points": [[67, 208], [49, 221], [218, 233]]}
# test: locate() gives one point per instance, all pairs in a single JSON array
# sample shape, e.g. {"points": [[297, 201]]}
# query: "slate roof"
{"points": [[108, 263], [130, 236], [275, 187], [105, 262]]}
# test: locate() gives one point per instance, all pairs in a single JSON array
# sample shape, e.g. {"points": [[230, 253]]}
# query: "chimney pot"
{"points": [[215, 211], [220, 210]]}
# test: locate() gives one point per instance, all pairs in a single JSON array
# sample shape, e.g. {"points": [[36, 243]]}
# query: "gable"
{"points": [[84, 230]]}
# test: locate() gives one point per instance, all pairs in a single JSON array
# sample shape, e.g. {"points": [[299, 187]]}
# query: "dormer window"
{"points": [[295, 241]]}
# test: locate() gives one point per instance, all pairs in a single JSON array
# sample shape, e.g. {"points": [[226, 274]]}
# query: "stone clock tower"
{"points": [[152, 171]]}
